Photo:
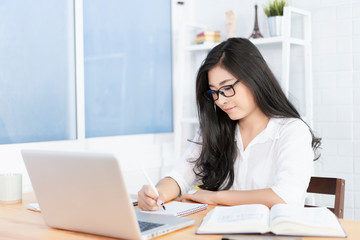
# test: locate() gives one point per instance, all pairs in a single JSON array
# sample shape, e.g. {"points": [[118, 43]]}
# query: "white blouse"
{"points": [[280, 158]]}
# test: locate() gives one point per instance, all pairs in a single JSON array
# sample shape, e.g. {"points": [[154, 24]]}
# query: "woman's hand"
{"points": [[201, 196], [148, 200], [167, 188]]}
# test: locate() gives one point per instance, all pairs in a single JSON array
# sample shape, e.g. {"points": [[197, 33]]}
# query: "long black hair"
{"points": [[215, 165]]}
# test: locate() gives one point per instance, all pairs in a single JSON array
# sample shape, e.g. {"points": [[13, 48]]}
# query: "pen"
{"points": [[153, 188]]}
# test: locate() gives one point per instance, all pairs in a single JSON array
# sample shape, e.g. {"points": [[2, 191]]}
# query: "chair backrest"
{"points": [[332, 186]]}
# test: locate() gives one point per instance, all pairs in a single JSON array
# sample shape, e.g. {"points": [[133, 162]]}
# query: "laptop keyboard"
{"points": [[144, 226]]}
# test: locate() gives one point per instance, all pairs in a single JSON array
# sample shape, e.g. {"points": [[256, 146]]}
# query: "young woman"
{"points": [[252, 145]]}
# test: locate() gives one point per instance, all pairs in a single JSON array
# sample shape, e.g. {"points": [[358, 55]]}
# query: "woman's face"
{"points": [[239, 106]]}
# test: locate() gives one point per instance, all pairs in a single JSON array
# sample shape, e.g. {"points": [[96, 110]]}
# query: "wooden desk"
{"points": [[18, 223]]}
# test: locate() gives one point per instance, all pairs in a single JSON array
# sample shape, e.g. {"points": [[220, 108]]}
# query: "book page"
{"points": [[252, 218], [311, 221]]}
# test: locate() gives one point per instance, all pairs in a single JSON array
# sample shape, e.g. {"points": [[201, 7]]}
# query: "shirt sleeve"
{"points": [[294, 162], [182, 171]]}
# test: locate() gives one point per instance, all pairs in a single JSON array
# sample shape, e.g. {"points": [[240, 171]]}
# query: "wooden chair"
{"points": [[332, 186]]}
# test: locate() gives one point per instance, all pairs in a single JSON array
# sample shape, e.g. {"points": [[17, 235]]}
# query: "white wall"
{"points": [[336, 77]]}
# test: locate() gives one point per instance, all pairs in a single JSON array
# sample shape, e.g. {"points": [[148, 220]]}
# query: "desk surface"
{"points": [[18, 223]]}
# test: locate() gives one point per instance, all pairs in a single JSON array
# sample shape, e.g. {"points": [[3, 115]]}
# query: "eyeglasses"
{"points": [[226, 91]]}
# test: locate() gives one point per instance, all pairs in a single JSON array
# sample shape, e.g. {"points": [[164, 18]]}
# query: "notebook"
{"points": [[86, 192], [180, 208]]}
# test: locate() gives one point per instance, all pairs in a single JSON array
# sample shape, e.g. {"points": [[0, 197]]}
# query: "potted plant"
{"points": [[275, 11]]}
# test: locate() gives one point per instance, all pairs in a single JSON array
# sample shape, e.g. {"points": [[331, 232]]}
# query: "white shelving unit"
{"points": [[190, 52]]}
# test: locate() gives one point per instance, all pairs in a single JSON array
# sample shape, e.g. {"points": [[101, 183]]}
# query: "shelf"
{"points": [[277, 40], [257, 42]]}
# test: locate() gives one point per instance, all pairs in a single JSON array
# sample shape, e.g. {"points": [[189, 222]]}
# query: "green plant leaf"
{"points": [[275, 8]]}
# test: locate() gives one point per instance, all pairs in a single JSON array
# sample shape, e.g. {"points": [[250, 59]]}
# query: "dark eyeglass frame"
{"points": [[209, 93]]}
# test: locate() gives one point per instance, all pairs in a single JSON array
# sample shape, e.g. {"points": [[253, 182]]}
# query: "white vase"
{"points": [[275, 26]]}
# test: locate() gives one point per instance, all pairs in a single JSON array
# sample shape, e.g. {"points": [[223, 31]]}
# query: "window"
{"points": [[37, 71], [127, 52]]}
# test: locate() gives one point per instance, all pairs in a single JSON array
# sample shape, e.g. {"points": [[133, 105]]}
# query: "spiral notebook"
{"points": [[180, 208]]}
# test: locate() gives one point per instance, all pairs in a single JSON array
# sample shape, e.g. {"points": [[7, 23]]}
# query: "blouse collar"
{"points": [[270, 132]]}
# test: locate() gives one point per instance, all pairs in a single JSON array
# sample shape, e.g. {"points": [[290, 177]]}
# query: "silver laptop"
{"points": [[85, 192]]}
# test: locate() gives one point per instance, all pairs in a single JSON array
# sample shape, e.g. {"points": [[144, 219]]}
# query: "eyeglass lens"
{"points": [[226, 91]]}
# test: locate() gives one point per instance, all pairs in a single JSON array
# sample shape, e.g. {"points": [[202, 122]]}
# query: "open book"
{"points": [[180, 209], [282, 219]]}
